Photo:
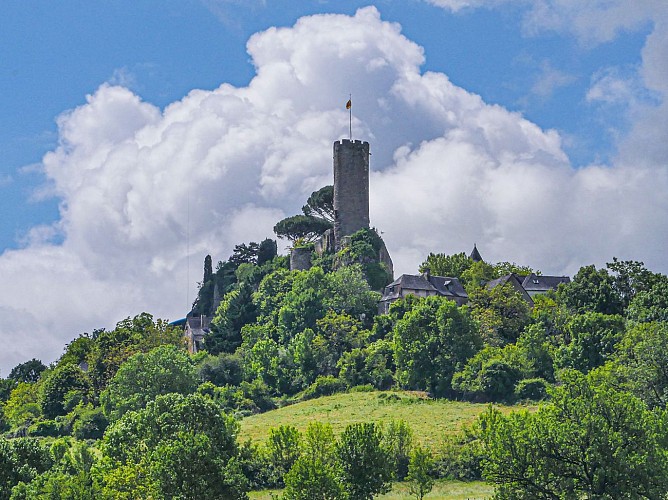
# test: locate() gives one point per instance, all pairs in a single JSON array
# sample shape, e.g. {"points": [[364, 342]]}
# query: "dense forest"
{"points": [[130, 413]]}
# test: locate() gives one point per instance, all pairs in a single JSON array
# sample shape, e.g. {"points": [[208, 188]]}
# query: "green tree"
{"points": [[90, 422], [501, 312], [266, 251], [7, 385], [365, 470], [131, 336], [78, 351], [592, 338], [302, 306], [244, 254], [223, 369], [71, 476], [551, 315], [141, 378], [305, 356], [208, 269], [589, 441], [371, 365], [204, 301], [492, 373], [642, 357], [335, 334], [591, 290], [441, 264], [176, 447], [352, 367], [269, 362], [538, 352], [22, 408], [347, 291], [283, 449], [314, 475], [398, 441], [301, 228], [321, 204], [61, 384], [431, 342], [506, 268], [30, 371], [477, 275], [235, 310], [364, 250], [630, 278], [21, 460], [650, 305], [419, 472]]}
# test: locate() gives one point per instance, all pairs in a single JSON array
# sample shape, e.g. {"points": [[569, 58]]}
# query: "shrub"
{"points": [[460, 457], [362, 388], [91, 424], [534, 389], [45, 428], [324, 386]]}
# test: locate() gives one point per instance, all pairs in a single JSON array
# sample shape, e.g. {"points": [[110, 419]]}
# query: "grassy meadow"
{"points": [[443, 490], [429, 419]]}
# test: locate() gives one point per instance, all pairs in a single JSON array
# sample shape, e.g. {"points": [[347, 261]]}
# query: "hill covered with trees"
{"points": [[130, 413]]}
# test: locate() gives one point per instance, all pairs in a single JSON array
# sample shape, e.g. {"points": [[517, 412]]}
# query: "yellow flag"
{"points": [[349, 104]]}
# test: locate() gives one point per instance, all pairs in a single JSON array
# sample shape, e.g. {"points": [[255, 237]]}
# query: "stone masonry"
{"points": [[351, 188]]}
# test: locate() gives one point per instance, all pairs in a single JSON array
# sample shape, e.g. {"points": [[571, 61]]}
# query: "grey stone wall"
{"points": [[351, 188], [300, 259], [325, 243]]}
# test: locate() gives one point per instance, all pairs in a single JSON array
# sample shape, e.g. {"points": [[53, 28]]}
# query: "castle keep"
{"points": [[351, 188]]}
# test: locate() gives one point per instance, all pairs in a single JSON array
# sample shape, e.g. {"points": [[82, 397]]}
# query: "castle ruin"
{"points": [[351, 188], [351, 203]]}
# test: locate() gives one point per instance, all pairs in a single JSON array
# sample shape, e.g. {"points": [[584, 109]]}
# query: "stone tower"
{"points": [[351, 188]]}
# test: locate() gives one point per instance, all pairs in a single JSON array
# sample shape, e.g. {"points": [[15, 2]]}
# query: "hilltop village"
{"points": [[320, 375], [349, 215]]}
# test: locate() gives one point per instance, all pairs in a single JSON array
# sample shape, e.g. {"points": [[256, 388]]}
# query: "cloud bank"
{"points": [[147, 193]]}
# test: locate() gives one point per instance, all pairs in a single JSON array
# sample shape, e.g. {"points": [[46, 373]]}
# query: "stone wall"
{"points": [[351, 188], [300, 258]]}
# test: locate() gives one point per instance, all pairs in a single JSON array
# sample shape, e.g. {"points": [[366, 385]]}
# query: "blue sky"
{"points": [[52, 57], [548, 117]]}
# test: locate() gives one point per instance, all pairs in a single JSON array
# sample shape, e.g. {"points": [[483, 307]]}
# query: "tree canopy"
{"points": [[321, 204], [304, 228]]}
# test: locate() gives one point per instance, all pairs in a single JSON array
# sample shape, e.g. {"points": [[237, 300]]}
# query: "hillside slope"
{"points": [[429, 419]]}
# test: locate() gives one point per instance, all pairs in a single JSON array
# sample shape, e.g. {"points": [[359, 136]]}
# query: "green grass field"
{"points": [[429, 419], [443, 490]]}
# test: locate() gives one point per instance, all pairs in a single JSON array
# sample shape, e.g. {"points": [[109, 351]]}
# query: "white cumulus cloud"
{"points": [[147, 193]]}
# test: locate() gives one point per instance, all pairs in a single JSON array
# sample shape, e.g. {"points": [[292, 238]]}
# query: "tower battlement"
{"points": [[348, 142]]}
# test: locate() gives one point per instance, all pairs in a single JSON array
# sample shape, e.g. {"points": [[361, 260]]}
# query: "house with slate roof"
{"points": [[535, 284], [528, 286], [424, 285], [514, 281]]}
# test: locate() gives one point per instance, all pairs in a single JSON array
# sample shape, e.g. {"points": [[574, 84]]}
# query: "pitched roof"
{"points": [[535, 282], [513, 280], [443, 285], [448, 287], [508, 278], [475, 255], [414, 282]]}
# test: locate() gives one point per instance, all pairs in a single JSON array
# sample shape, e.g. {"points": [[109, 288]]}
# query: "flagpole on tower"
{"points": [[349, 107]]}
